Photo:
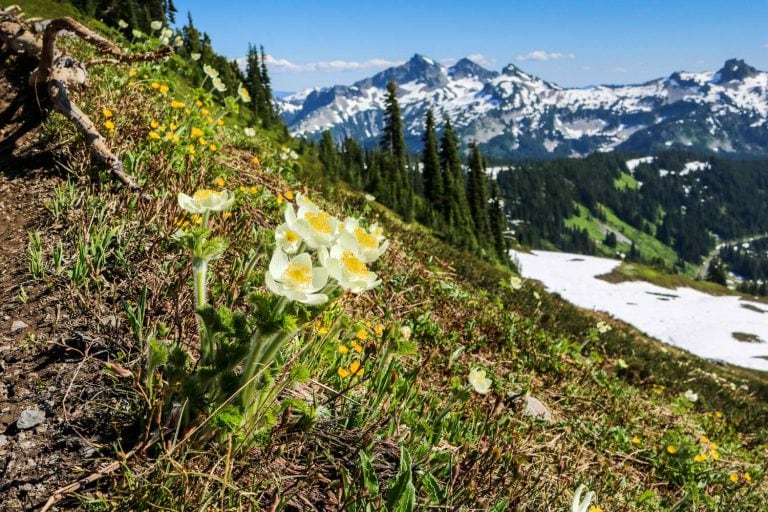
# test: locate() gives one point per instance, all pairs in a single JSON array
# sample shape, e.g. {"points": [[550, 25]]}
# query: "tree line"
{"points": [[439, 188]]}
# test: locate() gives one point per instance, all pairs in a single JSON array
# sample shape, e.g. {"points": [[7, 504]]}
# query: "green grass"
{"points": [[626, 181], [649, 247]]}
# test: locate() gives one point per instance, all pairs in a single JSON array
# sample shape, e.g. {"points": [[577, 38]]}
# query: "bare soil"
{"points": [[52, 353]]}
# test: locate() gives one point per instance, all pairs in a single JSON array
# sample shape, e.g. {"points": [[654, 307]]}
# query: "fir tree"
{"points": [[456, 209], [431, 175], [396, 161], [477, 194]]}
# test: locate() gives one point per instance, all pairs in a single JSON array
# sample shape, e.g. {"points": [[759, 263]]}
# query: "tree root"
{"points": [[56, 73]]}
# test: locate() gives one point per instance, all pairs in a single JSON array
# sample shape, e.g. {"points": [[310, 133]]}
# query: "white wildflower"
{"points": [[296, 278], [515, 282], [348, 269], [479, 381], [580, 505], [691, 396], [205, 200], [356, 239]]}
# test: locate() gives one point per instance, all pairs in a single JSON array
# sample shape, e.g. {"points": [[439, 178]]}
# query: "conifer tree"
{"points": [[477, 194], [498, 220], [432, 177], [456, 210], [396, 161]]}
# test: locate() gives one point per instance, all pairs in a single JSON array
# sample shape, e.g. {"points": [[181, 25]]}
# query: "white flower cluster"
{"points": [[344, 250]]}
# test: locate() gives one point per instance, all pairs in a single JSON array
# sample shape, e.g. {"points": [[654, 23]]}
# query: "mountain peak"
{"points": [[466, 67], [734, 69], [417, 69]]}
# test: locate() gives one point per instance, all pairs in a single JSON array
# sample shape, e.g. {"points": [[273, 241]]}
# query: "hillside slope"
{"points": [[369, 405]]}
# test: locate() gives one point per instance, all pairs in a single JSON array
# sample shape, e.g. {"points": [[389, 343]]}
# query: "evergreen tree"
{"points": [[329, 156], [431, 175], [456, 209], [477, 194], [396, 161], [498, 223]]}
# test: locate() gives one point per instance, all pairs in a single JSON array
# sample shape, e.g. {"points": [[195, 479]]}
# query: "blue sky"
{"points": [[572, 43]]}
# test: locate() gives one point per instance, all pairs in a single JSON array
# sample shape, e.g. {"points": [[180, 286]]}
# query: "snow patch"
{"points": [[689, 319]]}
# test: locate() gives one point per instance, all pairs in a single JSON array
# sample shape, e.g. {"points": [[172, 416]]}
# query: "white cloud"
{"points": [[542, 56], [330, 66], [479, 58], [619, 69]]}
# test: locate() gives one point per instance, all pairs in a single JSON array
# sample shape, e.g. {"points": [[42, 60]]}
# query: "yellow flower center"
{"points": [[366, 239], [204, 194], [298, 274], [291, 236], [320, 221], [353, 264]]}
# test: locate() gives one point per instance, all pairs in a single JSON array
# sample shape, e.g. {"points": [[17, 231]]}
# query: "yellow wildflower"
{"points": [[635, 440], [195, 132], [163, 89], [227, 215], [155, 85], [595, 508], [173, 126], [243, 189], [704, 439], [132, 73], [718, 415], [220, 122], [177, 104], [199, 103], [106, 112], [356, 347], [255, 161], [289, 195], [715, 455], [362, 334], [154, 135], [747, 477], [109, 125], [154, 124], [355, 368], [379, 330], [700, 457], [204, 111], [213, 147], [169, 136], [280, 199], [343, 349], [671, 449], [197, 219], [343, 373], [253, 190], [734, 477], [209, 119], [220, 181], [191, 149], [202, 141]]}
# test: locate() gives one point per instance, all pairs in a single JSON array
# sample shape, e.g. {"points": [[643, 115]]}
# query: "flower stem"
{"points": [[199, 271]]}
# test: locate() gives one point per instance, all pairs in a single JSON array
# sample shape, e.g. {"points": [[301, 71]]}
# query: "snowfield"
{"points": [[700, 323]]}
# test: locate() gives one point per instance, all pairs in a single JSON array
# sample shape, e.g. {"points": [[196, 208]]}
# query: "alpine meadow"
{"points": [[345, 276]]}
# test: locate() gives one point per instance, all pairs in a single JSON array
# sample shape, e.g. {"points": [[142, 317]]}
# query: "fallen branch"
{"points": [[56, 73]]}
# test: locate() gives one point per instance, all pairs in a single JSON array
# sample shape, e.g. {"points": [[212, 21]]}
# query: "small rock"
{"points": [[536, 409], [18, 325], [109, 321], [3, 440], [30, 418]]}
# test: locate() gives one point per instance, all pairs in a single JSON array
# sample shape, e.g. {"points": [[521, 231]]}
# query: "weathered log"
{"points": [[55, 73]]}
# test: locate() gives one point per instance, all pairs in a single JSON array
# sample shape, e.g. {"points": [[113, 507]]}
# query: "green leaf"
{"points": [[369, 475], [402, 496]]}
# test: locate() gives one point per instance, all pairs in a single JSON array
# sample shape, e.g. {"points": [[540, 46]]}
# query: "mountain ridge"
{"points": [[513, 114]]}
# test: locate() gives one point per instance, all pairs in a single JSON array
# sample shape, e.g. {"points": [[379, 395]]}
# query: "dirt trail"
{"points": [[51, 430]]}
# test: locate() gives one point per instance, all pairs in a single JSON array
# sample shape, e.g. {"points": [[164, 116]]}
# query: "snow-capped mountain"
{"points": [[513, 114]]}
